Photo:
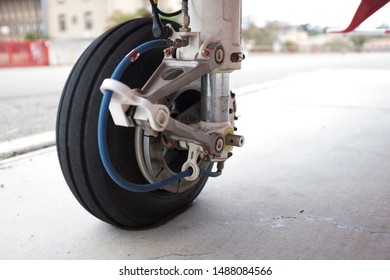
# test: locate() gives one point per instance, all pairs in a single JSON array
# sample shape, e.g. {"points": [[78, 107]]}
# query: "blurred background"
{"points": [[55, 32]]}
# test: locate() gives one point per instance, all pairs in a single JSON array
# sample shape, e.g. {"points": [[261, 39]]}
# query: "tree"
{"points": [[119, 17], [312, 30], [260, 35], [359, 41]]}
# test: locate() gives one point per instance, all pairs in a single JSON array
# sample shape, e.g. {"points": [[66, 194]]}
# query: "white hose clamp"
{"points": [[194, 152], [123, 97]]}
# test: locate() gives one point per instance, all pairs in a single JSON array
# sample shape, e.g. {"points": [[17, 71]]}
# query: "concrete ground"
{"points": [[312, 182]]}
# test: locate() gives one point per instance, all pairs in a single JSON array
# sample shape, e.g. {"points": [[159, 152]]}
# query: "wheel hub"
{"points": [[159, 157]]}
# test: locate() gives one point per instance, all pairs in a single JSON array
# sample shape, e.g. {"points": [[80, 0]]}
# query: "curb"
{"points": [[27, 144]]}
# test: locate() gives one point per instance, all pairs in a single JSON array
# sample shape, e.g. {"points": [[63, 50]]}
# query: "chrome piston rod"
{"points": [[215, 98]]}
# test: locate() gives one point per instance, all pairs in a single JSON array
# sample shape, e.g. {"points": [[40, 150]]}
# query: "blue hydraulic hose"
{"points": [[102, 124]]}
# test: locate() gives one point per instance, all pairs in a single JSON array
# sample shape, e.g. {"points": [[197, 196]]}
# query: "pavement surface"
{"points": [[29, 98], [311, 182]]}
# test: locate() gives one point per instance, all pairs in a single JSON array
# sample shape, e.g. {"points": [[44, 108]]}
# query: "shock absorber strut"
{"points": [[215, 98]]}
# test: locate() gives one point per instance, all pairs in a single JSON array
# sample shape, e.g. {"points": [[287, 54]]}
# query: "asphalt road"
{"points": [[311, 182], [29, 99]]}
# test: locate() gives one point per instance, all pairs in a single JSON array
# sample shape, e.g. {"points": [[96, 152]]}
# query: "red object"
{"points": [[23, 53], [364, 11]]}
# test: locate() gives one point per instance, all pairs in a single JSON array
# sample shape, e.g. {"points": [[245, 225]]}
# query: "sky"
{"points": [[330, 13]]}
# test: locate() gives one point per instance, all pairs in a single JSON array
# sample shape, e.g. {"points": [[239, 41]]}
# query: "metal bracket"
{"points": [[172, 75], [194, 152], [155, 114]]}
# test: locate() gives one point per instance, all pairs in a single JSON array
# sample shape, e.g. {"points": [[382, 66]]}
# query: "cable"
{"points": [[158, 29], [174, 14], [206, 173], [164, 14], [102, 124]]}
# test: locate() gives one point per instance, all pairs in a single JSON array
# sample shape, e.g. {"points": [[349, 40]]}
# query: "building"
{"points": [[64, 19], [377, 45], [68, 26], [85, 18], [20, 18]]}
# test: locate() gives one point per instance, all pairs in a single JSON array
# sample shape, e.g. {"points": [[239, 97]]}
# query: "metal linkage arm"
{"points": [[157, 116], [172, 75]]}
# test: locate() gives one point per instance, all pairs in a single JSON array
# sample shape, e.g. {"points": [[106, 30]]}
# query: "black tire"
{"points": [[77, 134]]}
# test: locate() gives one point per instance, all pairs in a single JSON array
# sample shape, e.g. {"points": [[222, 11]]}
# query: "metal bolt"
{"points": [[237, 57], [235, 140], [219, 144], [161, 118], [171, 144], [219, 55], [168, 52], [206, 53]]}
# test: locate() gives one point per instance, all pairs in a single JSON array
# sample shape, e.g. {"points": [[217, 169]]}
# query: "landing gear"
{"points": [[139, 133], [137, 157]]}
